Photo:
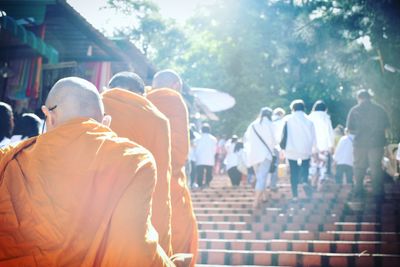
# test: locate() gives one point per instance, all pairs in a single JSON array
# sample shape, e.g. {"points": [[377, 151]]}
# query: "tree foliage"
{"points": [[268, 53]]}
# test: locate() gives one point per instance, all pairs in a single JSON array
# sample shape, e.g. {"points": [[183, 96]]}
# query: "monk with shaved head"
{"points": [[77, 195], [166, 96], [136, 118]]}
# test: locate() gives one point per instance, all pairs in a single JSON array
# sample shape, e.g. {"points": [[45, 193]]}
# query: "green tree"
{"points": [[268, 53]]}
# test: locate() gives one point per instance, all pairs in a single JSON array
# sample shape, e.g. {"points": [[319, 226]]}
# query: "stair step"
{"points": [[302, 245], [292, 258]]}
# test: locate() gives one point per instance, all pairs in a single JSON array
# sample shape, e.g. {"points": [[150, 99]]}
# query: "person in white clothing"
{"points": [[398, 153], [298, 141], [259, 144], [236, 158], [321, 163], [6, 124], [191, 164], [343, 158], [205, 149], [231, 159], [278, 123]]}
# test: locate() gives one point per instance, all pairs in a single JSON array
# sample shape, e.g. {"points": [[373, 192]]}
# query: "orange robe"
{"points": [[184, 225], [78, 196], [137, 119]]}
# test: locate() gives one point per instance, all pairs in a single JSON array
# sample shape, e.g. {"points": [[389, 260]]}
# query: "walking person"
{"points": [[6, 124], [259, 143], [298, 140], [368, 122], [343, 159], [320, 164], [233, 159], [205, 149], [191, 166]]}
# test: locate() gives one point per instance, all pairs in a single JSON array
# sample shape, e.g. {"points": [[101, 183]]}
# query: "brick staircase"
{"points": [[328, 230]]}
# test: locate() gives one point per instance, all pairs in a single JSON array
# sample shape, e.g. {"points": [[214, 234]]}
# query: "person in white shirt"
{"points": [[259, 144], [298, 141], [234, 170], [205, 149], [343, 158], [6, 124], [230, 158], [321, 164], [398, 153], [191, 166]]}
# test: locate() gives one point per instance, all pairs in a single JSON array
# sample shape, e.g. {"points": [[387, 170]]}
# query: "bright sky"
{"points": [[107, 20]]}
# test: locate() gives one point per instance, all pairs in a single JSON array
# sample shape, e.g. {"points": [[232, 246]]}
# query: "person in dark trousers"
{"points": [[368, 122], [234, 174], [205, 149], [298, 140]]}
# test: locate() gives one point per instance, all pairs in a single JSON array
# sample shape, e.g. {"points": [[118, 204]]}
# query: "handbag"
{"points": [[272, 166]]}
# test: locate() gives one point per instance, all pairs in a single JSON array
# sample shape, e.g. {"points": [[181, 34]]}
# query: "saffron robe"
{"points": [[78, 196], [137, 119], [184, 225]]}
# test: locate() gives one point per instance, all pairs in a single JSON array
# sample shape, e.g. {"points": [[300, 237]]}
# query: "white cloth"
{"points": [[300, 136], [278, 126], [344, 150], [205, 149], [5, 142], [14, 140], [398, 152], [323, 130], [255, 150], [231, 158]]}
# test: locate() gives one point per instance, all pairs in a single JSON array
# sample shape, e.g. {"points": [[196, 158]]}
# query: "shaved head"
{"points": [[167, 79], [72, 98], [127, 80]]}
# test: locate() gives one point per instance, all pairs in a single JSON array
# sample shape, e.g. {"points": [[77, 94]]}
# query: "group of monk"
{"points": [[105, 185]]}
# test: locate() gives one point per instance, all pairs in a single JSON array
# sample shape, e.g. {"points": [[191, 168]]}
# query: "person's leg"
{"points": [[360, 166], [322, 163], [375, 156], [192, 172], [250, 176], [294, 176], [200, 175], [348, 171], [340, 168], [350, 175], [237, 176], [274, 175], [209, 174], [261, 175], [217, 165], [329, 164], [304, 172], [231, 174]]}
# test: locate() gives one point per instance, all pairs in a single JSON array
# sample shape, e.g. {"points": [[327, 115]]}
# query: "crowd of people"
{"points": [[307, 144], [105, 184]]}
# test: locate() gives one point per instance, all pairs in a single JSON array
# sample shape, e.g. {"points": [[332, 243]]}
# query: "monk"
{"points": [[167, 98], [137, 119], [77, 195]]}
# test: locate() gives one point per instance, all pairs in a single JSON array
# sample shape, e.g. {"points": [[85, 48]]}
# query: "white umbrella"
{"points": [[213, 99]]}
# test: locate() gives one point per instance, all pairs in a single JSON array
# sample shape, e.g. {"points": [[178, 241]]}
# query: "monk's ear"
{"points": [[106, 120], [45, 111]]}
